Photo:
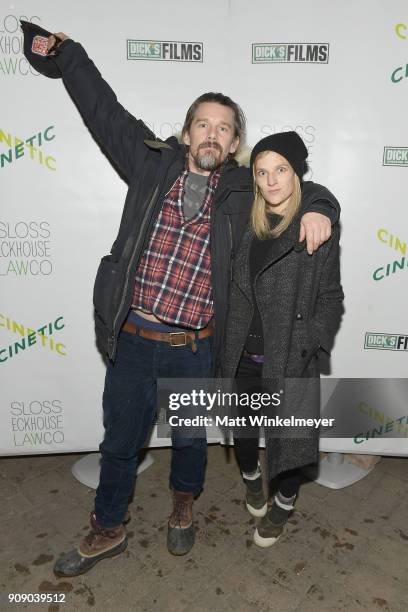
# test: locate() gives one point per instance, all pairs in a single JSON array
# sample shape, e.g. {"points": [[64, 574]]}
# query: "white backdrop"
{"points": [[61, 200]]}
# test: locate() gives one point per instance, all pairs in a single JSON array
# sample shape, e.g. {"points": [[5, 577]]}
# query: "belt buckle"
{"points": [[178, 334]]}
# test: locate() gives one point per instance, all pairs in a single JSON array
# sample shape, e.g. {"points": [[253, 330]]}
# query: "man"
{"points": [[161, 295]]}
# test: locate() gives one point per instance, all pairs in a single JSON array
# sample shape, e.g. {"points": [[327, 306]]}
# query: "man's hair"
{"points": [[239, 117]]}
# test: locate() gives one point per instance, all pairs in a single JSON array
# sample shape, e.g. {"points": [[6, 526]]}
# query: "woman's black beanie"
{"points": [[289, 145]]}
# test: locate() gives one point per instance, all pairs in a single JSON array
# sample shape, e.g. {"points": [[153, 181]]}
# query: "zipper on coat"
{"points": [[113, 339], [231, 249]]}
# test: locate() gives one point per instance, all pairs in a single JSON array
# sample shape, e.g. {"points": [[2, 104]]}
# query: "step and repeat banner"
{"points": [[337, 75]]}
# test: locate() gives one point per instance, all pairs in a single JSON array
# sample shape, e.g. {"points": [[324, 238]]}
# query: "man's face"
{"points": [[211, 137]]}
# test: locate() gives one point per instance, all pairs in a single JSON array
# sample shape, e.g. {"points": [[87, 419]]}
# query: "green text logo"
{"points": [[17, 148], [164, 50], [293, 53], [35, 336], [395, 156], [386, 342]]}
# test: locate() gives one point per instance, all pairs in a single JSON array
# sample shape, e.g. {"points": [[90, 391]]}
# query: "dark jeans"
{"points": [[246, 448], [129, 409]]}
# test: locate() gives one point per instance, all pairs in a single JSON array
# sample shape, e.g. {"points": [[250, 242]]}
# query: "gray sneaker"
{"points": [[255, 499], [271, 526]]}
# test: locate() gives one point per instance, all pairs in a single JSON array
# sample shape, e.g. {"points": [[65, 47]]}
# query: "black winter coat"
{"points": [[299, 297], [150, 167]]}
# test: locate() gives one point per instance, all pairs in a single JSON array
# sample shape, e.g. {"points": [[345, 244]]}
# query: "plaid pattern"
{"points": [[173, 279]]}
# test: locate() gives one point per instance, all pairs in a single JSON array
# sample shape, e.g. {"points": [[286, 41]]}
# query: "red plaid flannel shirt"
{"points": [[173, 279]]}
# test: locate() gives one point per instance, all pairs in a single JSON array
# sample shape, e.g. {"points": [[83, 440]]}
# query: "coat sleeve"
{"points": [[329, 304], [119, 134], [317, 198]]}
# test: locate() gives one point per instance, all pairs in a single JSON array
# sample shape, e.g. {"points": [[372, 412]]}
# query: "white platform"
{"points": [[87, 469], [336, 473]]}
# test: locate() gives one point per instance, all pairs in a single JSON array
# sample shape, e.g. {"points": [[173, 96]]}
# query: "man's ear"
{"points": [[186, 138], [234, 145]]}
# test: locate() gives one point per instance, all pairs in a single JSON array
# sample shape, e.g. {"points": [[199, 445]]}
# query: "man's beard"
{"points": [[208, 161]]}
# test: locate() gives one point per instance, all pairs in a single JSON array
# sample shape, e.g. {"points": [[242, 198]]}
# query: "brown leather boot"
{"points": [[180, 533], [99, 544]]}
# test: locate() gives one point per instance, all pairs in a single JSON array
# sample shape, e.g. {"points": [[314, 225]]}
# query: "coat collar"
{"points": [[286, 242], [278, 248]]}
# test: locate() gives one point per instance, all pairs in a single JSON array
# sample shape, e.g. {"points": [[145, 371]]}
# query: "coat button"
{"points": [[299, 317], [303, 353]]}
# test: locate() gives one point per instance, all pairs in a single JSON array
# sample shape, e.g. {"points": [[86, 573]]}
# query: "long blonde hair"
{"points": [[259, 218]]}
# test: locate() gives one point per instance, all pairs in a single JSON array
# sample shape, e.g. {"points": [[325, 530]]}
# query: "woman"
{"points": [[285, 308]]}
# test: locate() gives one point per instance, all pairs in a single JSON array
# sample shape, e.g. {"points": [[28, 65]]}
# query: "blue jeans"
{"points": [[129, 409]]}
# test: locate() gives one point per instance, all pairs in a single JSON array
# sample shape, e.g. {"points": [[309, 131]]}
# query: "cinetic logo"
{"points": [[395, 156], [400, 72], [29, 148], [48, 337], [290, 53], [385, 425], [165, 50], [395, 243], [386, 342], [401, 31]]}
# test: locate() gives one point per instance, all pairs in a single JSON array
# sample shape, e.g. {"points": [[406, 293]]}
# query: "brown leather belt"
{"points": [[181, 338]]}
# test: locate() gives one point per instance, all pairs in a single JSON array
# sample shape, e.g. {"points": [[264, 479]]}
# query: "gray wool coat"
{"points": [[299, 297]]}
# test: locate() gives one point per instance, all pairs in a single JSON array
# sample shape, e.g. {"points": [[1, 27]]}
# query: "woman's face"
{"points": [[275, 178]]}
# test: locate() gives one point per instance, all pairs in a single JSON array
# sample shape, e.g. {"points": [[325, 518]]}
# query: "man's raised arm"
{"points": [[119, 134], [321, 211]]}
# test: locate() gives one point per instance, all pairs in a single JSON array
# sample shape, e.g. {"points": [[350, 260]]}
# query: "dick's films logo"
{"points": [[164, 50], [395, 156], [290, 53], [386, 342]]}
